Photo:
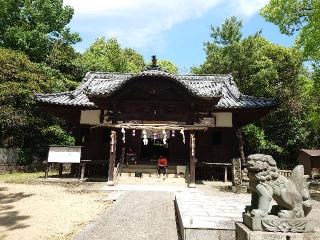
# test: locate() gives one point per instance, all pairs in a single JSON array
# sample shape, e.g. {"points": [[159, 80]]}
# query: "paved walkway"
{"points": [[136, 215], [214, 210]]}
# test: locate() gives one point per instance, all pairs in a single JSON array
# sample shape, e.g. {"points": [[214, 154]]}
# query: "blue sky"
{"points": [[171, 29]]}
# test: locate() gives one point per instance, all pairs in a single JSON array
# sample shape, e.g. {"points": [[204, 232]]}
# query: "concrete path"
{"points": [[214, 210], [136, 215]]}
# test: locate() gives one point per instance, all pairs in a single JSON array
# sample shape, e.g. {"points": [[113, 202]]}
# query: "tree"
{"points": [[261, 68], [293, 16], [22, 125], [168, 66], [108, 56], [258, 66], [63, 57], [228, 33], [33, 26]]}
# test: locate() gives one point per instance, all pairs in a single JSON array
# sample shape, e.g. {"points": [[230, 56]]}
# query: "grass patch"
{"points": [[21, 177]]}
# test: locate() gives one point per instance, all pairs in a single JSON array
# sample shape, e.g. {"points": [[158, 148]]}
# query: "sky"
{"points": [[174, 30]]}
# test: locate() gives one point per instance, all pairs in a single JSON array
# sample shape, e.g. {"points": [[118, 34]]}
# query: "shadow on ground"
{"points": [[9, 217]]}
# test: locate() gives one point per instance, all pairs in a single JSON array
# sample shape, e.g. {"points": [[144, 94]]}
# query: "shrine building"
{"points": [[192, 120]]}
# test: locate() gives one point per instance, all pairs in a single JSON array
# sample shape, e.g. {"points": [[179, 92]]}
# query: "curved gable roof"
{"points": [[201, 86]]}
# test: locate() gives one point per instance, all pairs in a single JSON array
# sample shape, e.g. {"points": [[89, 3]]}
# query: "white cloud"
{"points": [[247, 8], [141, 23]]}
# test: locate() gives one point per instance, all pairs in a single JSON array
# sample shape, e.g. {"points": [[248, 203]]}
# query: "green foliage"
{"points": [[168, 66], [63, 57], [228, 33], [108, 56], [261, 68], [256, 141], [293, 16], [33, 26], [258, 66], [22, 125]]}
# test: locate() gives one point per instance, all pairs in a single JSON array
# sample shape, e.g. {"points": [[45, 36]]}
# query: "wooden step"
{"points": [[138, 166], [149, 175], [147, 171]]}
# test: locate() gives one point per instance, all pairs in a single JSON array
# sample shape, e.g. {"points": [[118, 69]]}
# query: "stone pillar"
{"points": [[192, 180], [112, 158], [236, 172]]}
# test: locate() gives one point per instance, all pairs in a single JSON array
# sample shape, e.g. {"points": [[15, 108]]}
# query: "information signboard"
{"points": [[64, 154]]}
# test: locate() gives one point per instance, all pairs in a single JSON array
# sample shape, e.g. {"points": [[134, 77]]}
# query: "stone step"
{"points": [[151, 166], [149, 175], [150, 170]]}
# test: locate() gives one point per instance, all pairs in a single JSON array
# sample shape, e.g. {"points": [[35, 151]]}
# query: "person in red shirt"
{"points": [[162, 166]]}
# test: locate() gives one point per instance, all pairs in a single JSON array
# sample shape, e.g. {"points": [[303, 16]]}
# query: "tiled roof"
{"points": [[202, 86]]}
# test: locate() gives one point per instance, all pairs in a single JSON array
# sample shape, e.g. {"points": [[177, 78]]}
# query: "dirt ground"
{"points": [[38, 211]]}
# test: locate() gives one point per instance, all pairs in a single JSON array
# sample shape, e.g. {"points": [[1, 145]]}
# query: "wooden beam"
{"points": [[112, 158], [192, 180]]}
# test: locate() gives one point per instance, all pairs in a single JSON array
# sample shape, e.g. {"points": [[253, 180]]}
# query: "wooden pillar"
{"points": [[225, 173], [192, 180], [46, 169], [112, 158], [83, 170], [60, 169]]}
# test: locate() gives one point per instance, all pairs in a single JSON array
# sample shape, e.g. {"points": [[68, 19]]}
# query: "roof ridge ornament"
{"points": [[154, 65]]}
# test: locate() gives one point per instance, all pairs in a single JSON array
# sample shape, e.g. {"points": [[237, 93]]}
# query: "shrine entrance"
{"points": [[150, 153], [153, 129]]}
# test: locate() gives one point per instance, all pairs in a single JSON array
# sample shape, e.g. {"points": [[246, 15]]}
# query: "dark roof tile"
{"points": [[202, 86]]}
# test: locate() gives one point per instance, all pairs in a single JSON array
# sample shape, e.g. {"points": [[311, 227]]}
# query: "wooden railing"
{"points": [[215, 171]]}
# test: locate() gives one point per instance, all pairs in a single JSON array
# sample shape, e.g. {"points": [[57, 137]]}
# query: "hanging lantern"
{"points": [[133, 132], [183, 136], [145, 138], [154, 136], [164, 137], [123, 135], [173, 133]]}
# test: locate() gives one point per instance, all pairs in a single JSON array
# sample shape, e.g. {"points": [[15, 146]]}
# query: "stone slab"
{"points": [[208, 216], [244, 233]]}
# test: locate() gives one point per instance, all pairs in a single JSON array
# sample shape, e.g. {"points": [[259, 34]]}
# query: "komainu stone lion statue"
{"points": [[291, 194]]}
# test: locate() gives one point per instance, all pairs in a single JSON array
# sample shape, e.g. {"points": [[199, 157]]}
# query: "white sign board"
{"points": [[64, 154]]}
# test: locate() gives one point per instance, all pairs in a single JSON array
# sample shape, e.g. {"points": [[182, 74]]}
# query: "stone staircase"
{"points": [[148, 171]]}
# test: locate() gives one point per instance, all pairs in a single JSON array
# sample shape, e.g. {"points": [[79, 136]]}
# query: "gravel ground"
{"points": [[136, 215], [46, 211]]}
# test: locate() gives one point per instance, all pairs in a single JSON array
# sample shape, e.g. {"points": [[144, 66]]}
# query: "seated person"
{"points": [[162, 166], [131, 156]]}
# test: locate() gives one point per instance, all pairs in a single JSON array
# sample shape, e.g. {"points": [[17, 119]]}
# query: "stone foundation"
{"points": [[276, 224], [244, 233]]}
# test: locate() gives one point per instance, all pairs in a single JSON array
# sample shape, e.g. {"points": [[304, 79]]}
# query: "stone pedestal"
{"points": [[275, 224], [244, 233], [240, 189]]}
